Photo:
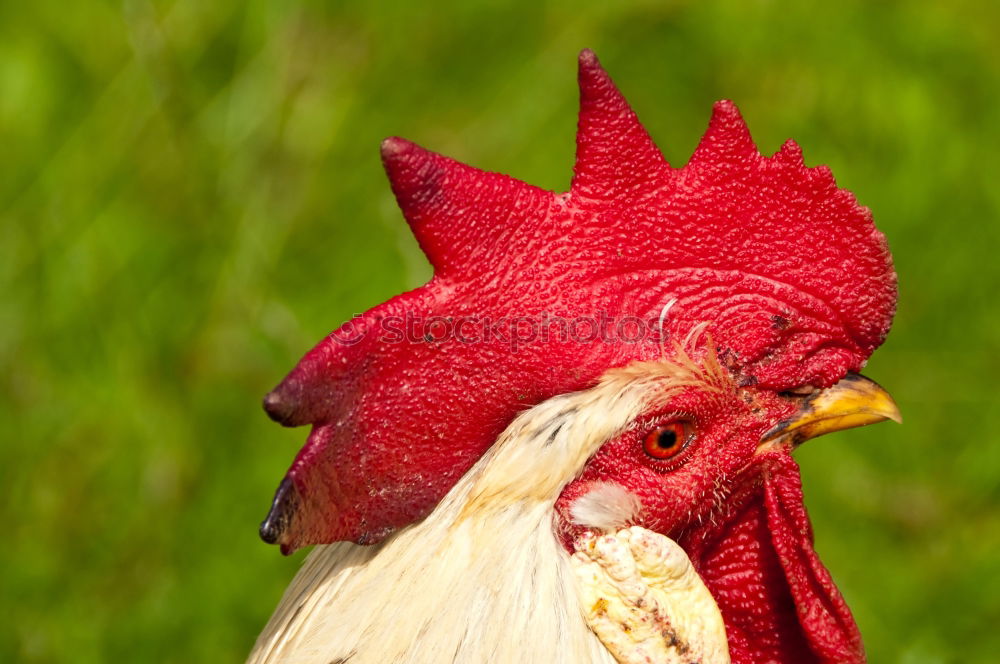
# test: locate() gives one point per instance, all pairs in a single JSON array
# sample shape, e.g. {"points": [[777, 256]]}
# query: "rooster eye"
{"points": [[666, 441]]}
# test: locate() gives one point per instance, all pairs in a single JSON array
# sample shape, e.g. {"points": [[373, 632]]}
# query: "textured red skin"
{"points": [[789, 272], [739, 516]]}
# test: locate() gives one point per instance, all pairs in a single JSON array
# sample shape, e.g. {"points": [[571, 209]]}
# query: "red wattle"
{"points": [[825, 619], [778, 601]]}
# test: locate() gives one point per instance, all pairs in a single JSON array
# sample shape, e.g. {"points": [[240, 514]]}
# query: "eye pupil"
{"points": [[667, 439]]}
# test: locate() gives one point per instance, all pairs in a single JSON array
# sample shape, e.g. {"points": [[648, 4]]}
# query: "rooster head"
{"points": [[757, 269]]}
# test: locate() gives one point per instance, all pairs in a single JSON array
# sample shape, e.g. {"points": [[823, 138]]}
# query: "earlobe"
{"points": [[605, 506]]}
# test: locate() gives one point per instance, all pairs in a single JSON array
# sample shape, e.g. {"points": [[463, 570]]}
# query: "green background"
{"points": [[191, 197]]}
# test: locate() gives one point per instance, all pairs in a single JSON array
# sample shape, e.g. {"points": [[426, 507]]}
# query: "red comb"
{"points": [[788, 271]]}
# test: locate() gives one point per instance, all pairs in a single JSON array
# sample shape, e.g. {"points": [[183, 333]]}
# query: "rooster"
{"points": [[574, 443]]}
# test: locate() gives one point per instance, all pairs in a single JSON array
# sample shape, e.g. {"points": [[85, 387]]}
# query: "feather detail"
{"points": [[606, 506], [483, 578]]}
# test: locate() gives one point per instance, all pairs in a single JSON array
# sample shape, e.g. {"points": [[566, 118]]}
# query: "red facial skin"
{"points": [[739, 516], [788, 270]]}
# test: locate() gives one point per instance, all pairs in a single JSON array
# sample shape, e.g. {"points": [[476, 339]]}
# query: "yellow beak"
{"points": [[853, 402]]}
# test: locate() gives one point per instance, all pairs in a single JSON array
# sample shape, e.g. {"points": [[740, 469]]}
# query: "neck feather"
{"points": [[483, 577]]}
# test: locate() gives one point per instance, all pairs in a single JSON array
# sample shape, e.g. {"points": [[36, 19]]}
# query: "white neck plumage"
{"points": [[483, 577]]}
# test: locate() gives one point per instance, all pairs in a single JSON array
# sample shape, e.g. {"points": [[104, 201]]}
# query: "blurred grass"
{"points": [[191, 197]]}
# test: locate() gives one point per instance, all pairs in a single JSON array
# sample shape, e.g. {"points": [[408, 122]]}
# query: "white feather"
{"points": [[605, 507], [483, 578]]}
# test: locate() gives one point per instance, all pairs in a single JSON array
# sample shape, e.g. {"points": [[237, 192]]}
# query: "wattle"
{"points": [[777, 599]]}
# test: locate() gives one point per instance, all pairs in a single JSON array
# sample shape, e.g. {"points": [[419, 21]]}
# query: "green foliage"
{"points": [[191, 197]]}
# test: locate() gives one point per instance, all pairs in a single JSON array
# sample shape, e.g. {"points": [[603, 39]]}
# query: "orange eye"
{"points": [[666, 441]]}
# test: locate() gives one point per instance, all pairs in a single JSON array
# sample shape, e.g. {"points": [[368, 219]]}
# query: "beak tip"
{"points": [[895, 415], [887, 406]]}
